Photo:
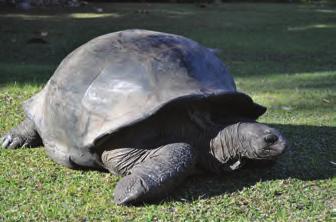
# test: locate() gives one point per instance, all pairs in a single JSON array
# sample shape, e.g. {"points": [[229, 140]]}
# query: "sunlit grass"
{"points": [[71, 15], [293, 73], [316, 26], [93, 15], [296, 96], [27, 17], [330, 11]]}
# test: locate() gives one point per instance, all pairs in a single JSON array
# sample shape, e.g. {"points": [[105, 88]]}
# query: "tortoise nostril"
{"points": [[267, 131], [271, 138]]}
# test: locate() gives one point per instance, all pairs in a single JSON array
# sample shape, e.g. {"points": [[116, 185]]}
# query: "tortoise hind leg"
{"points": [[155, 173], [24, 135]]}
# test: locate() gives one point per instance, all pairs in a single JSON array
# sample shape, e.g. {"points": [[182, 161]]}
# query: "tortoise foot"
{"points": [[156, 175], [22, 136]]}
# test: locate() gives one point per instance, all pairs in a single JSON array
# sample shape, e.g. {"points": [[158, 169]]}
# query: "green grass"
{"points": [[284, 55]]}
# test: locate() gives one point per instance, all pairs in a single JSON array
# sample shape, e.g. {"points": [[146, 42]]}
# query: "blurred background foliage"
{"points": [[27, 4]]}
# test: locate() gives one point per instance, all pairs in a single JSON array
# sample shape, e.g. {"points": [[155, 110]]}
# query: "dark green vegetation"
{"points": [[282, 55]]}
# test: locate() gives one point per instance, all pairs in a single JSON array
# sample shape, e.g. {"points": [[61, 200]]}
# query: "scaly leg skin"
{"points": [[24, 135], [150, 174]]}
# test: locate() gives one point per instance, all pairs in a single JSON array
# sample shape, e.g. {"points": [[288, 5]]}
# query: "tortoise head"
{"points": [[259, 141], [247, 140]]}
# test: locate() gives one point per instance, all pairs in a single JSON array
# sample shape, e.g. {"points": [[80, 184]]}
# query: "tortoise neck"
{"points": [[227, 145]]}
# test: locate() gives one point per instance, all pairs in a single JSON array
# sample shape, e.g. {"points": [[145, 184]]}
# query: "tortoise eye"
{"points": [[270, 138]]}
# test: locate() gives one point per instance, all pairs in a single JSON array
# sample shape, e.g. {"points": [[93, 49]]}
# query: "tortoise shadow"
{"points": [[311, 156]]}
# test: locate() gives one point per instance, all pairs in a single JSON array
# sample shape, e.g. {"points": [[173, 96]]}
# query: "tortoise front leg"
{"points": [[24, 135], [150, 174]]}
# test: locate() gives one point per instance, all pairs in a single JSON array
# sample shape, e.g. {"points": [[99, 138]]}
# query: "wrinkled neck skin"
{"points": [[228, 147], [225, 145]]}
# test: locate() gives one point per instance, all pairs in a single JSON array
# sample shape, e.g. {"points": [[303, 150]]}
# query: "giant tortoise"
{"points": [[150, 106]]}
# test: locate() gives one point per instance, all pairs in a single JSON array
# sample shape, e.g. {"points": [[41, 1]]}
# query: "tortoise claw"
{"points": [[6, 140], [10, 142], [15, 143]]}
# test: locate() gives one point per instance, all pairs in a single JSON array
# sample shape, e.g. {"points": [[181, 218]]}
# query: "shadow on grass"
{"points": [[312, 156], [36, 74]]}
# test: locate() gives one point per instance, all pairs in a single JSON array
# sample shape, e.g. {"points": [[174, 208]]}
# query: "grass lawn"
{"points": [[284, 55]]}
